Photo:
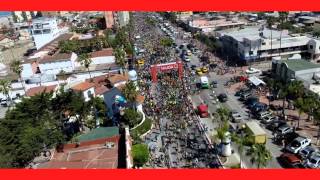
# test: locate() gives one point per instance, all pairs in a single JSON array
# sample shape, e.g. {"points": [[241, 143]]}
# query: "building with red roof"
{"points": [[41, 89]]}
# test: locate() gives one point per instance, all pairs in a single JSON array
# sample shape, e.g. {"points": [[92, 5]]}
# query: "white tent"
{"points": [[256, 81]]}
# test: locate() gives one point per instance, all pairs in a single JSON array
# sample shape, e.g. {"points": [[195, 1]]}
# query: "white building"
{"points": [[220, 23], [55, 64], [86, 88], [253, 43], [45, 30], [123, 18]]}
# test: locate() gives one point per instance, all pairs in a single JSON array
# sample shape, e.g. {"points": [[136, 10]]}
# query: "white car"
{"points": [[314, 161], [297, 144], [253, 71]]}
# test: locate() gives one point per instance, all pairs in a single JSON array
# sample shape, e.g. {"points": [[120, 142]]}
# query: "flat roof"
{"points": [[252, 33], [299, 65], [255, 128], [98, 133]]}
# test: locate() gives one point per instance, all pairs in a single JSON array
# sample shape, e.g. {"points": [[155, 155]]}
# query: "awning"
{"points": [[203, 108], [256, 81]]}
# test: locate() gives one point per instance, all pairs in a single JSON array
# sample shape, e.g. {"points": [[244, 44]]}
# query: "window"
{"points": [[46, 31], [250, 52], [311, 46], [37, 32], [38, 26]]}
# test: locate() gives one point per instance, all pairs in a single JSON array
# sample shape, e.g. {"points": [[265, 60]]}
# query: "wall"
{"points": [[27, 71], [56, 67], [85, 93], [103, 60]]}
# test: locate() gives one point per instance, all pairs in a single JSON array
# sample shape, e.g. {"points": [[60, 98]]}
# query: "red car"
{"points": [[290, 160], [203, 110]]}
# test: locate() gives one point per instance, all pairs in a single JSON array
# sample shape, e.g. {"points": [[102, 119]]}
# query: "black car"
{"points": [[223, 97], [259, 107], [181, 46], [214, 84], [274, 125], [242, 91], [193, 67]]}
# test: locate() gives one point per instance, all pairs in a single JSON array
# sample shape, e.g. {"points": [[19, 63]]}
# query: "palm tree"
{"points": [[130, 92], [241, 142], [260, 155], [295, 89], [17, 68], [120, 56], [85, 61], [299, 103], [5, 87], [283, 95], [221, 131]]}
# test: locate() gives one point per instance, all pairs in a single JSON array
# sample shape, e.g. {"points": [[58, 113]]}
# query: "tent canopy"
{"points": [[256, 81]]}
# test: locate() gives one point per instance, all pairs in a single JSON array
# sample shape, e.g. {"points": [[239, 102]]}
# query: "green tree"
{"points": [[221, 131], [283, 16], [131, 117], [166, 42], [5, 87], [300, 104], [295, 89], [260, 155], [140, 154], [17, 68], [120, 56], [85, 60], [316, 30], [223, 113], [241, 142], [130, 92]]}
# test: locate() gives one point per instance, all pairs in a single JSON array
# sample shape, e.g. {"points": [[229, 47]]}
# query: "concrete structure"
{"points": [[287, 70], [123, 18], [45, 30], [184, 15], [208, 26], [98, 149], [110, 21], [253, 43]]}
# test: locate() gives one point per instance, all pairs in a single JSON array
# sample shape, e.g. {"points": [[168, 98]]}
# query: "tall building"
{"points": [[45, 30], [110, 20], [123, 18]]}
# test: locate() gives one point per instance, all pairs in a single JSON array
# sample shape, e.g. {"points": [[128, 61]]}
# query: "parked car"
{"points": [[253, 71], [236, 116], [259, 107], [289, 160], [268, 119], [251, 101], [214, 84], [263, 114], [193, 67], [313, 161], [245, 96], [273, 126], [223, 97], [242, 91], [282, 130], [307, 151], [297, 144]]}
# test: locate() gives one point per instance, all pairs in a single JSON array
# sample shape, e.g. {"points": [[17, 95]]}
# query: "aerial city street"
{"points": [[122, 89]]}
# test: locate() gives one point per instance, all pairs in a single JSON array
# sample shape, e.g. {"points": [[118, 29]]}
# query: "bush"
{"points": [[132, 117], [140, 154]]}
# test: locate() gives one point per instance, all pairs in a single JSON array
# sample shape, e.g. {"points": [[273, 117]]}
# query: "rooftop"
{"points": [[55, 58], [100, 151], [83, 86], [40, 89], [103, 52], [116, 78], [98, 133], [299, 65], [252, 33], [255, 128]]}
